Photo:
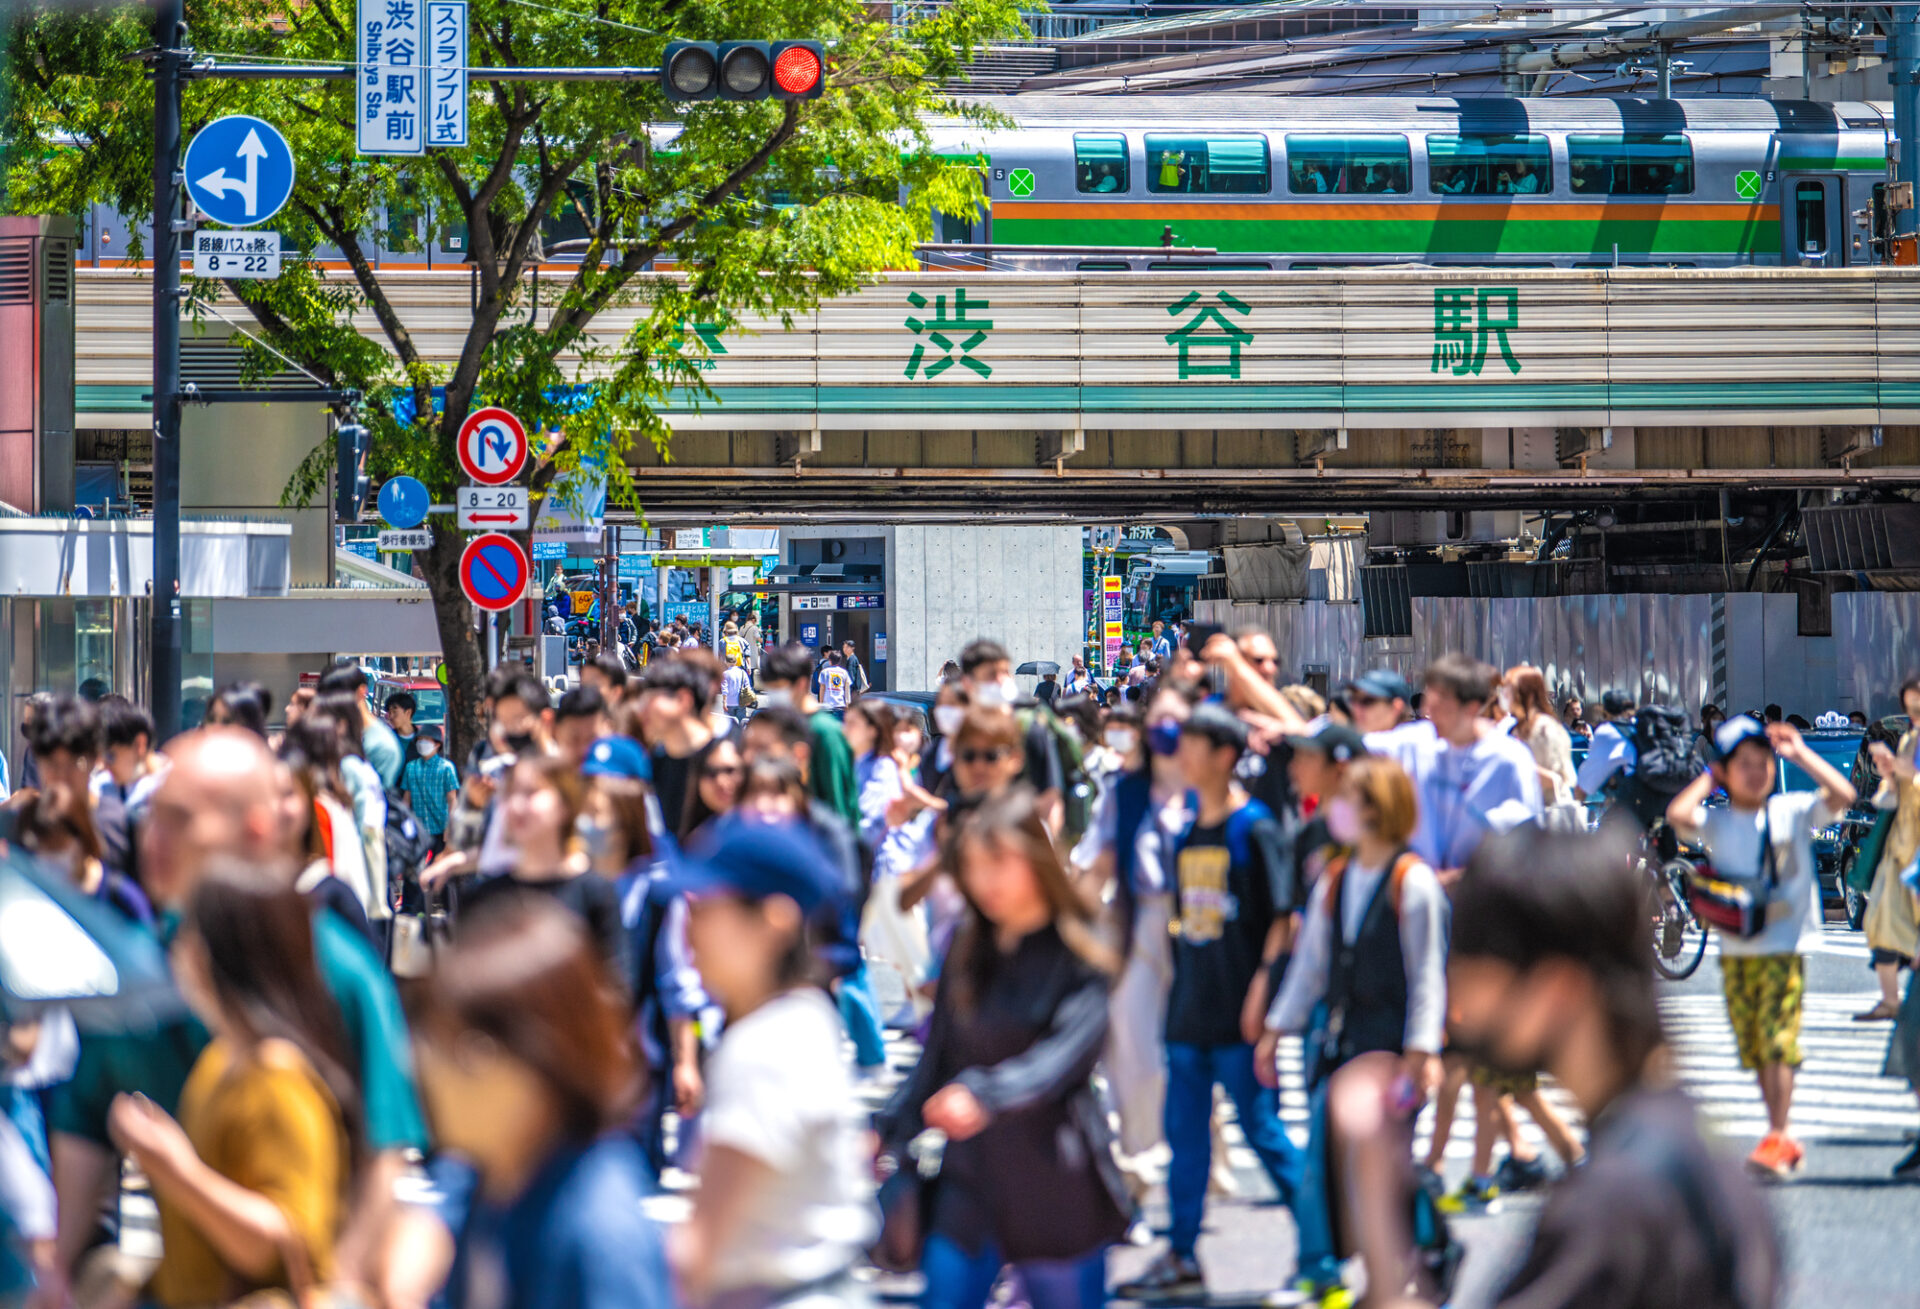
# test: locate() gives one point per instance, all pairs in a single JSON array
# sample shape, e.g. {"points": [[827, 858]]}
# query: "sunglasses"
{"points": [[723, 770], [981, 756]]}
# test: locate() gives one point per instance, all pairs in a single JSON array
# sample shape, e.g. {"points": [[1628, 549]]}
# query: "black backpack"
{"points": [[407, 847], [1663, 749]]}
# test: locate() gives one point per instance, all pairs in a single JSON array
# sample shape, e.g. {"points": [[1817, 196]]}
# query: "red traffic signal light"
{"points": [[799, 70]]}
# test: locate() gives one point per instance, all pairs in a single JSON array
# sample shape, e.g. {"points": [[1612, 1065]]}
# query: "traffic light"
{"points": [[351, 442], [743, 70]]}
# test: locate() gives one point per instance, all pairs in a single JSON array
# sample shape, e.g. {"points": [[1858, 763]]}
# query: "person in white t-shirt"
{"points": [[1764, 976], [836, 684], [784, 1211]]}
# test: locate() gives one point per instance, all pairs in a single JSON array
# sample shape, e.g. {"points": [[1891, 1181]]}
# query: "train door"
{"points": [[1813, 217]]}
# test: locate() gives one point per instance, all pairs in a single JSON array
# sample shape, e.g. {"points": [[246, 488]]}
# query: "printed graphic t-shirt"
{"points": [[1224, 911]]}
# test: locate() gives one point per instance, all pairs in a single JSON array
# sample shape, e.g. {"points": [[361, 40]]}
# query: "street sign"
{"points": [[390, 92], [1113, 609], [404, 501], [493, 571], [446, 105], [575, 508], [236, 254], [405, 539], [492, 446], [493, 509], [239, 170], [546, 550]]}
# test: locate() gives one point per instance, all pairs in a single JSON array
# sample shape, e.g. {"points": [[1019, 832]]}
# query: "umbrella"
{"points": [[59, 947], [1038, 668]]}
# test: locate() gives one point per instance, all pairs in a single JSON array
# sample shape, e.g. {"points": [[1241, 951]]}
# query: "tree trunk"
{"points": [[459, 641]]}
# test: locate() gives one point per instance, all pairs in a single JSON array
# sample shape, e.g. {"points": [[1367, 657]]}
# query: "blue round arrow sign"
{"points": [[404, 501], [239, 170]]}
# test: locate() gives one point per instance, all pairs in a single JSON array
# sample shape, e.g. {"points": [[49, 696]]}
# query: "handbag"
{"points": [[906, 1212], [1866, 855], [1736, 903]]}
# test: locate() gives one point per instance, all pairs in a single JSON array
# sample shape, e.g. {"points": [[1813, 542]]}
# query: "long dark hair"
{"points": [[1012, 820], [523, 974], [344, 708], [696, 812], [258, 934]]}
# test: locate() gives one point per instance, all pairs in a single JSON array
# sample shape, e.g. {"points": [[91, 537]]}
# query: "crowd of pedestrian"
{"points": [[451, 1025]]}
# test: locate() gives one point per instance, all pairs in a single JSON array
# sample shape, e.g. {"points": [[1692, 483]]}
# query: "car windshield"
{"points": [[1836, 748], [429, 704]]}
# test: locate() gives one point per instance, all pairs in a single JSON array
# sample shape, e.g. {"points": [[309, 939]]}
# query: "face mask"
{"points": [[1163, 738], [427, 749], [1122, 740], [595, 836], [948, 717], [1343, 820], [991, 695]]}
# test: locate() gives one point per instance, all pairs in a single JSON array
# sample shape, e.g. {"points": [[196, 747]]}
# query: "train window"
{"points": [[1211, 165], [1489, 165], [1633, 164], [1103, 266], [1810, 210], [405, 212], [1100, 164], [1349, 165]]}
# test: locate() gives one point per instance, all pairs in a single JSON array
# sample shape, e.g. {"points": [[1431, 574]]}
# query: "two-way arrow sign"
{"points": [[239, 170], [247, 188]]}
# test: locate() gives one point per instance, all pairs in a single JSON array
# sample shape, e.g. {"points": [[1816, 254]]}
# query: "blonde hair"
{"points": [[1306, 701]]}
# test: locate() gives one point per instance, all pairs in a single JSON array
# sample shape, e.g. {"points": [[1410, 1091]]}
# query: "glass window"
{"points": [[1212, 165], [1489, 165], [1100, 164], [1810, 210], [1634, 164], [1349, 165]]}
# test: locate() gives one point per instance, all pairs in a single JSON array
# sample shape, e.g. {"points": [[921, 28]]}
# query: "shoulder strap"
{"points": [[1332, 875], [1397, 879]]}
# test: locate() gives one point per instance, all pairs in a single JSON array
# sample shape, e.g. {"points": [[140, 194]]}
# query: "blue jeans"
{"points": [[1312, 1213], [958, 1280], [1192, 1071], [861, 1013]]}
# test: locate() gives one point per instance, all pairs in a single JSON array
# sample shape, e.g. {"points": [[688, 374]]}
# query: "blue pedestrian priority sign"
{"points": [[493, 571], [239, 170], [404, 502]]}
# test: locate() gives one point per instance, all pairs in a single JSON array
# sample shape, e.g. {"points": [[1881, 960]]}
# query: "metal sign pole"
{"points": [[169, 30]]}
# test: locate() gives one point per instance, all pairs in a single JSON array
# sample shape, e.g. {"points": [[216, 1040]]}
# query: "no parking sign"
{"points": [[493, 571]]}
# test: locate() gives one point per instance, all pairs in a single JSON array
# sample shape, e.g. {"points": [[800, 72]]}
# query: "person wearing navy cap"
{"points": [[783, 1207]]}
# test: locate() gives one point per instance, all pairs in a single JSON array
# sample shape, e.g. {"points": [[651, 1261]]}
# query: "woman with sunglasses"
{"points": [[717, 776]]}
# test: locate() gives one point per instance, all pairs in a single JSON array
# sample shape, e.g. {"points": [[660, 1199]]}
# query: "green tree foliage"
{"points": [[765, 207]]}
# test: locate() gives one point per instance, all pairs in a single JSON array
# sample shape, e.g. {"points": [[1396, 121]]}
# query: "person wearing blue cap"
{"points": [[783, 1208], [1767, 839]]}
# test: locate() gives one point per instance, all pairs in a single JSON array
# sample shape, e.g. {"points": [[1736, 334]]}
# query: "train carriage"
{"points": [[1279, 183]]}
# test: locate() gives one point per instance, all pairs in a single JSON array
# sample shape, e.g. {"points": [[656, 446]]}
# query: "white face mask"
{"points": [[428, 749], [948, 717], [1121, 740], [990, 695]]}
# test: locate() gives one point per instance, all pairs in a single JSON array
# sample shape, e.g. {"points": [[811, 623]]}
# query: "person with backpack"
{"points": [[1761, 891], [1372, 957], [1232, 883], [1548, 973]]}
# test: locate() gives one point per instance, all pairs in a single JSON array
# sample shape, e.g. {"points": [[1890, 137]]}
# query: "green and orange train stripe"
{"points": [[1408, 228]]}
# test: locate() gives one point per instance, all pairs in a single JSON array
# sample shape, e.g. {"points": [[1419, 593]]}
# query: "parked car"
{"points": [[429, 698]]}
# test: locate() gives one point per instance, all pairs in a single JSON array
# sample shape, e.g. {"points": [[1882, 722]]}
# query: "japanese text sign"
{"points": [[391, 80], [446, 107]]}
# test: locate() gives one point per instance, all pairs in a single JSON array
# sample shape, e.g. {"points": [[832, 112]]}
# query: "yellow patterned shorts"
{"points": [[1763, 1004], [1504, 1083]]}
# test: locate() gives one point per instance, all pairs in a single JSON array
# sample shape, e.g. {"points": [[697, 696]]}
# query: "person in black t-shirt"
{"points": [[1233, 892], [1548, 973], [673, 699]]}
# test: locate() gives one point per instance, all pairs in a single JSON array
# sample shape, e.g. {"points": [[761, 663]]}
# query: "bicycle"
{"points": [[1679, 937]]}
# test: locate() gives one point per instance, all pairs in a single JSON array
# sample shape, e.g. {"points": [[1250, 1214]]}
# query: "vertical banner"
{"points": [[1111, 612], [447, 72], [390, 103]]}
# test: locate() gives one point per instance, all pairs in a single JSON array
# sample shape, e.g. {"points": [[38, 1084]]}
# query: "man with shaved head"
{"points": [[220, 802]]}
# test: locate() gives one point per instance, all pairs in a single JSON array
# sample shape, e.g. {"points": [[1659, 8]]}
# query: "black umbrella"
{"points": [[1038, 668], [59, 947]]}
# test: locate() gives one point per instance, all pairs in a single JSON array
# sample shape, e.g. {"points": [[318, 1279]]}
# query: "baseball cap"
{"points": [[1616, 702], [617, 756], [1218, 724], [1728, 736], [1382, 684], [757, 859], [1338, 742]]}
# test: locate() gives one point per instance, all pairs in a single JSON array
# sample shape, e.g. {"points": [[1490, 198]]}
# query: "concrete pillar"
{"points": [[660, 595], [716, 584]]}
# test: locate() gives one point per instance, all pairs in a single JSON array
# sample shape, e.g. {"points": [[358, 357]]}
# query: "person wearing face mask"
{"points": [[1548, 973], [786, 675], [430, 785], [987, 672], [544, 800], [1372, 951], [950, 707]]}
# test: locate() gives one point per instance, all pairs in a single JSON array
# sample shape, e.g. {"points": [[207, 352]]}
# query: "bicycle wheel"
{"points": [[1679, 939]]}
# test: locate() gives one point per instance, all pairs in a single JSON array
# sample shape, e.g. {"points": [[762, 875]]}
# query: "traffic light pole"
{"points": [[170, 34]]}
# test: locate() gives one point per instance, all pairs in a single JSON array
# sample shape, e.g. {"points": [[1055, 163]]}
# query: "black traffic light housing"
{"points": [[743, 70], [351, 444]]}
